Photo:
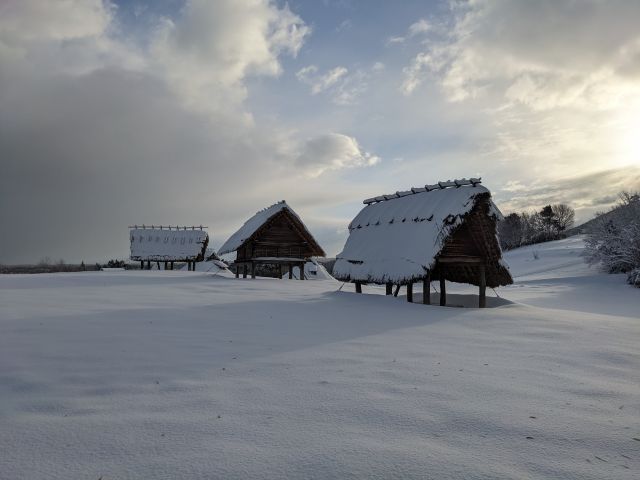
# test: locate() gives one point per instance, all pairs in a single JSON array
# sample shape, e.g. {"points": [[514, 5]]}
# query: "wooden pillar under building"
{"points": [[165, 265], [148, 264], [482, 300], [237, 270], [290, 271], [443, 290], [410, 292], [141, 264], [426, 290], [388, 289], [395, 294], [244, 270], [302, 271], [358, 287], [158, 264], [253, 270], [171, 265]]}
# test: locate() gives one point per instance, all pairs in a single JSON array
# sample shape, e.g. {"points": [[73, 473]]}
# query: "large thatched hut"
{"points": [[445, 231], [275, 235]]}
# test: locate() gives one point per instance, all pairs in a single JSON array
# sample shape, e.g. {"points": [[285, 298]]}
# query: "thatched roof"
{"points": [[252, 226], [397, 238], [160, 245]]}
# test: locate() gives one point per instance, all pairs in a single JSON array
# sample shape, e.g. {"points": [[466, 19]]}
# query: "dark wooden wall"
{"points": [[277, 238]]}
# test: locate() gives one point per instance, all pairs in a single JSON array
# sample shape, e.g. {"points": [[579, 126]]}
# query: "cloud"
{"points": [[320, 83], [544, 54], [333, 151], [586, 193], [341, 85], [99, 131], [209, 52], [415, 29]]}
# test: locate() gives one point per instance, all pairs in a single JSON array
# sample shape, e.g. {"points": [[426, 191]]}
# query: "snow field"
{"points": [[190, 375]]}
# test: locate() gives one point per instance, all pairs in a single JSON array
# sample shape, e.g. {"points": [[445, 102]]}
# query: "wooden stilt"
{"points": [[410, 292], [388, 289], [426, 290], [245, 269], [358, 287], [237, 270], [141, 264], [253, 270], [290, 271], [171, 265], [302, 271], [148, 264], [482, 300], [395, 294], [443, 290], [158, 264], [165, 265]]}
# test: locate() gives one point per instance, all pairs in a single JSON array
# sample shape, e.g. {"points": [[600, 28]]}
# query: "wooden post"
{"points": [[410, 292], [237, 270], [395, 294], [158, 264], [141, 264], [165, 265], [253, 270], [426, 290], [148, 264], [302, 271], [388, 289], [482, 301], [290, 271], [171, 265], [443, 290], [244, 270], [358, 287]]}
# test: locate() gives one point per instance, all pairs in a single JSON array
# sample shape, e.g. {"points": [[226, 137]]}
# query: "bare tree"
{"points": [[563, 216]]}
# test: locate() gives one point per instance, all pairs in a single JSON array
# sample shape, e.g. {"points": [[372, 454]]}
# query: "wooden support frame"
{"points": [[482, 297], [388, 289], [410, 292], [426, 290]]}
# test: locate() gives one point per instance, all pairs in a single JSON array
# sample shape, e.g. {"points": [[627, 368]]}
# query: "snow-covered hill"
{"points": [[151, 374]]}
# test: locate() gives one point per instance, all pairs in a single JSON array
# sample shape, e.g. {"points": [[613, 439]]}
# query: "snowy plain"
{"points": [[163, 375]]}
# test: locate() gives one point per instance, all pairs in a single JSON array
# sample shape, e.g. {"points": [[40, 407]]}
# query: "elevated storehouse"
{"points": [[275, 235], [445, 231], [168, 245]]}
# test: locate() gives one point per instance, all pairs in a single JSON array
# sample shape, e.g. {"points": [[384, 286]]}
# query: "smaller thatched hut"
{"points": [[445, 231], [276, 236]]}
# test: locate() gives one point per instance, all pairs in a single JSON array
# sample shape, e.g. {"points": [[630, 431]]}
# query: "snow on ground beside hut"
{"points": [[312, 271], [147, 374]]}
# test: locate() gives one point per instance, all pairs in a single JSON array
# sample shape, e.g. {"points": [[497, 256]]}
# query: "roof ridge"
{"points": [[427, 188]]}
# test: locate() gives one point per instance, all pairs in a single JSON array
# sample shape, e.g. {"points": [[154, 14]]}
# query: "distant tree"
{"points": [[83, 266], [563, 217]]}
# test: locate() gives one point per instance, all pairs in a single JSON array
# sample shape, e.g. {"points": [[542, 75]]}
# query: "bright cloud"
{"points": [[333, 151]]}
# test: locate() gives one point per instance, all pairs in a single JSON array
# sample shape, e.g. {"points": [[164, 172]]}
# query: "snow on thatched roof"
{"points": [[252, 225], [156, 244], [396, 238]]}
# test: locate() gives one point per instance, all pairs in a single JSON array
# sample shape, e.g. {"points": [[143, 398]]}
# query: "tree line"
{"points": [[526, 228]]}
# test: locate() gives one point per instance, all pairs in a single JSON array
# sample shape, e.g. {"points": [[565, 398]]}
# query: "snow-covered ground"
{"points": [[165, 375]]}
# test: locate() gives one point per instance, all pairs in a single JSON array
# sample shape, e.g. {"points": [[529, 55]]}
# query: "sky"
{"points": [[195, 112]]}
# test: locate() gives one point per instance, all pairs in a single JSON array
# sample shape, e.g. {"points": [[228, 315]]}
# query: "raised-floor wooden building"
{"points": [[275, 235], [445, 231], [167, 244]]}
